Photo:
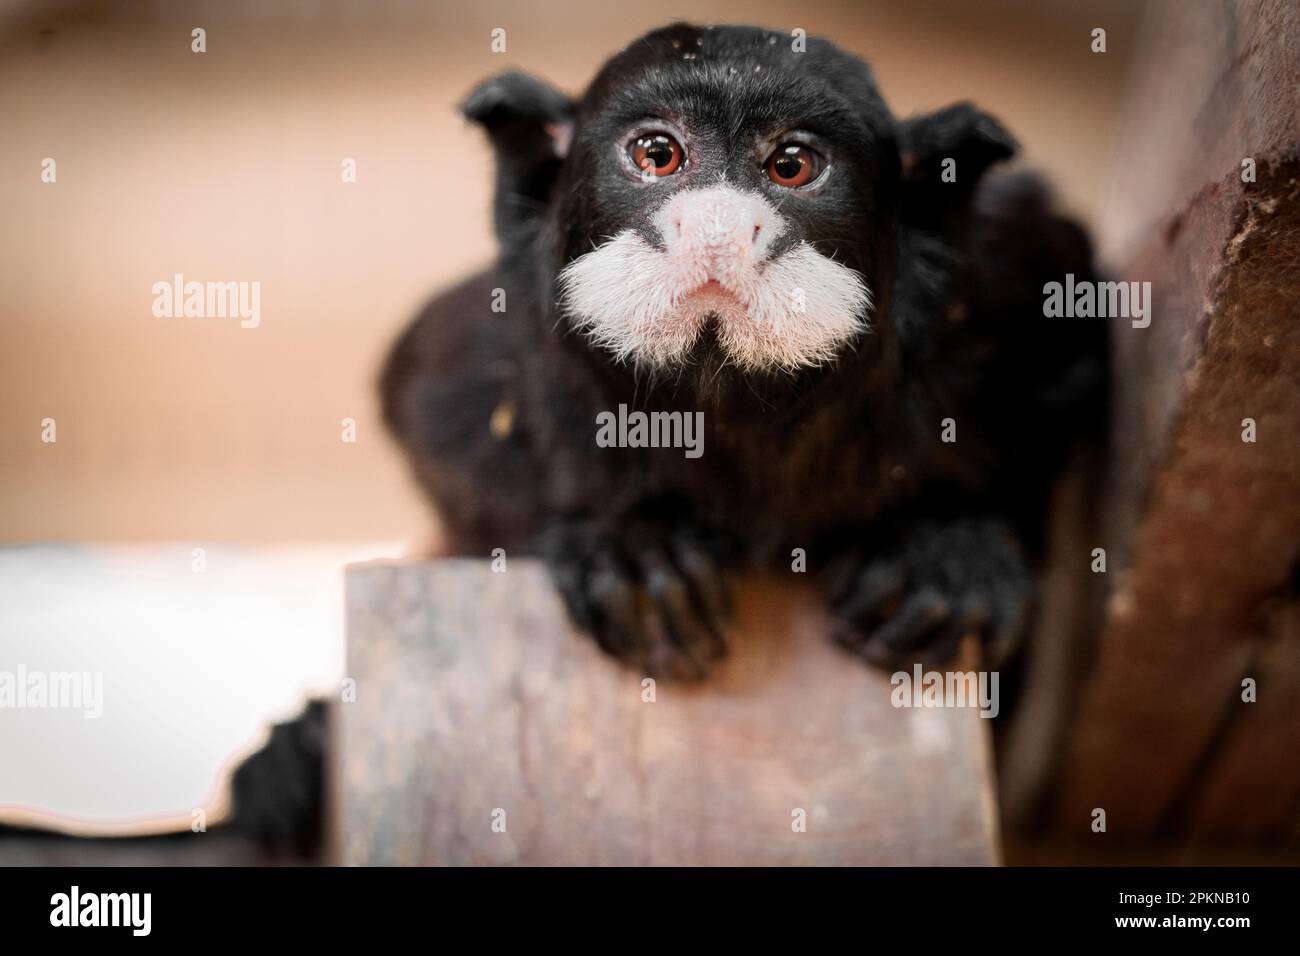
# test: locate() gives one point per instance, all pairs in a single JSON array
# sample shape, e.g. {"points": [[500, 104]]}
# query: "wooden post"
{"points": [[486, 731], [1202, 524]]}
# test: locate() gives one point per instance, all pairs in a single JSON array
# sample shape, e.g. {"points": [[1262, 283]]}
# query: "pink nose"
{"points": [[718, 228]]}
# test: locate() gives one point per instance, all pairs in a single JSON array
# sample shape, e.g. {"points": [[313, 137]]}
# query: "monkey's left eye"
{"points": [[793, 165], [656, 154]]}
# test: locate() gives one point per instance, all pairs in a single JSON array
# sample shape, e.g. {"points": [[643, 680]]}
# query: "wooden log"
{"points": [[476, 702], [1202, 528]]}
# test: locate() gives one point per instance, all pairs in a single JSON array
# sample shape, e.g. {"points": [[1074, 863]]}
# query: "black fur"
{"points": [[920, 541]]}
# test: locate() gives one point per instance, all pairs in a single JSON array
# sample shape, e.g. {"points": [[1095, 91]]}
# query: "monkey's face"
{"points": [[720, 197], [721, 194]]}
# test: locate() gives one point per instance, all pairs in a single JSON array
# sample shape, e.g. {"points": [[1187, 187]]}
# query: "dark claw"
{"points": [[916, 602], [653, 596]]}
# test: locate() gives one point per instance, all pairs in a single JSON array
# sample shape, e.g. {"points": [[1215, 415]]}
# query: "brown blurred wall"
{"points": [[226, 166]]}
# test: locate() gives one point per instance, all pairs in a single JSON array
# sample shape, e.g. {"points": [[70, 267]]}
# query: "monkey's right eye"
{"points": [[656, 154]]}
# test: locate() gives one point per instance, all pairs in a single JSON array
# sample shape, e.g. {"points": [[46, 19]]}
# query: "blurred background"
{"points": [[186, 440], [226, 165]]}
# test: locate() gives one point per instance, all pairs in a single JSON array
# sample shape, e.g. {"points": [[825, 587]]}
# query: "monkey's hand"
{"points": [[915, 602], [651, 593]]}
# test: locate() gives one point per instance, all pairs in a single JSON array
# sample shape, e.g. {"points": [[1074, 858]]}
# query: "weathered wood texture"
{"points": [[1202, 529], [474, 695]]}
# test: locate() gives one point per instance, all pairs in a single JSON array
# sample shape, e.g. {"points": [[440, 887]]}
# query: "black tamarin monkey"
{"points": [[725, 224]]}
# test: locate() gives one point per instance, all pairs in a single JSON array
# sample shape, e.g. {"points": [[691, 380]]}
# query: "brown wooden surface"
{"points": [[1202, 529], [473, 694]]}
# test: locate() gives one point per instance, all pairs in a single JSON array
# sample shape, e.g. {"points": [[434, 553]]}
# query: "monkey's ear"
{"points": [[521, 111], [960, 132], [943, 155], [529, 123]]}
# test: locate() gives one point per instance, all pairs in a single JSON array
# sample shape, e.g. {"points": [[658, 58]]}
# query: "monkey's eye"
{"points": [[793, 165], [656, 154]]}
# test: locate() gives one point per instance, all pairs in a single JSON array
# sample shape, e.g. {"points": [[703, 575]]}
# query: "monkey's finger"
{"points": [[974, 613], [877, 591], [842, 577], [688, 633], [617, 606], [570, 579], [921, 617], [703, 574], [1011, 614], [941, 648]]}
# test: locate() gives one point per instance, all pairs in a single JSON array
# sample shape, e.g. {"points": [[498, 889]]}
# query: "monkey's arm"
{"points": [[1018, 389], [450, 397]]}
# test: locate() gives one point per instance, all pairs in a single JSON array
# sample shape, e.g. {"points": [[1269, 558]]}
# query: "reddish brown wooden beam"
{"points": [[1203, 529]]}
